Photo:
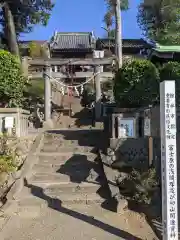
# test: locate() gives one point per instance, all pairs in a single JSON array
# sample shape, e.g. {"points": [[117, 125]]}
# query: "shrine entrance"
{"points": [[63, 85]]}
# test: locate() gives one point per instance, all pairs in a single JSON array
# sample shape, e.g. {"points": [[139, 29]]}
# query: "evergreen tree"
{"points": [[18, 16], [160, 21]]}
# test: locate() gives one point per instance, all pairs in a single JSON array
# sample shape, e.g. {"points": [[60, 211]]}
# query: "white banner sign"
{"points": [[126, 128], [147, 122], [9, 122], [168, 160], [147, 127]]}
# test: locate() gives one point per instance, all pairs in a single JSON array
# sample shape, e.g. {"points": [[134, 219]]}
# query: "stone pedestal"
{"points": [[48, 124], [122, 205]]}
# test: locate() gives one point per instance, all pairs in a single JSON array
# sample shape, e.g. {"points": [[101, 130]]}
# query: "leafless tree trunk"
{"points": [[118, 35], [10, 30]]}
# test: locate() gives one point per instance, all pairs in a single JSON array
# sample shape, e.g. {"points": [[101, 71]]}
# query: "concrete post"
{"points": [[113, 126], [98, 93], [55, 69], [47, 93], [25, 66]]}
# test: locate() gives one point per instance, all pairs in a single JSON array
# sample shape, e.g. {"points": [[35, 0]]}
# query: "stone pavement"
{"points": [[75, 222], [64, 196]]}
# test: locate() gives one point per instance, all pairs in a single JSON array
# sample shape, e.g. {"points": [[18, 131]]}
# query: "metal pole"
{"points": [[47, 93], [118, 45], [98, 93]]}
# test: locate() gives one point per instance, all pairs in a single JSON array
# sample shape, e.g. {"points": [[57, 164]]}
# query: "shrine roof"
{"points": [[126, 43], [168, 48], [72, 40]]}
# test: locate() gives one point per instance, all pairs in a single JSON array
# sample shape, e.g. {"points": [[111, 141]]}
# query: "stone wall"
{"points": [[14, 122], [133, 151], [136, 150], [20, 148]]}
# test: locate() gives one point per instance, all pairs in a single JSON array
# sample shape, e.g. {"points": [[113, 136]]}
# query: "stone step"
{"points": [[85, 193], [46, 168], [72, 188], [64, 142], [69, 133], [68, 166], [48, 178], [111, 176], [53, 148], [54, 178], [31, 202], [61, 142], [60, 154], [73, 136], [53, 160], [79, 198], [60, 158], [57, 190]]}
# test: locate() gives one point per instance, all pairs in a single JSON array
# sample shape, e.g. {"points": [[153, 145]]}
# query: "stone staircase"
{"points": [[62, 195], [67, 169]]}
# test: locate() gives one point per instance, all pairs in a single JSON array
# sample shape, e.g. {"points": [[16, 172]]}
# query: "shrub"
{"points": [[140, 186], [6, 164], [145, 183], [35, 50], [171, 71], [35, 88], [12, 82], [7, 157], [136, 84]]}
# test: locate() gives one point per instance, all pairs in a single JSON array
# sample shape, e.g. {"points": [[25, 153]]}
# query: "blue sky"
{"points": [[83, 16]]}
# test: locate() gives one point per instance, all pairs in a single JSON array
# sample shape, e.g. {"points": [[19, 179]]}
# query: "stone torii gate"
{"points": [[96, 63]]}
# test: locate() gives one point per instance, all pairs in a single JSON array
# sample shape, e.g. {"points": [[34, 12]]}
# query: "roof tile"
{"points": [[126, 43], [72, 41]]}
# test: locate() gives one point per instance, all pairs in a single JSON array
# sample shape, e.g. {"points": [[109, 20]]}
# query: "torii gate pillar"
{"points": [[98, 93], [47, 93]]}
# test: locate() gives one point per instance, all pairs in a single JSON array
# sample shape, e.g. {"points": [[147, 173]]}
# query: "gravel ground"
{"points": [[73, 222]]}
